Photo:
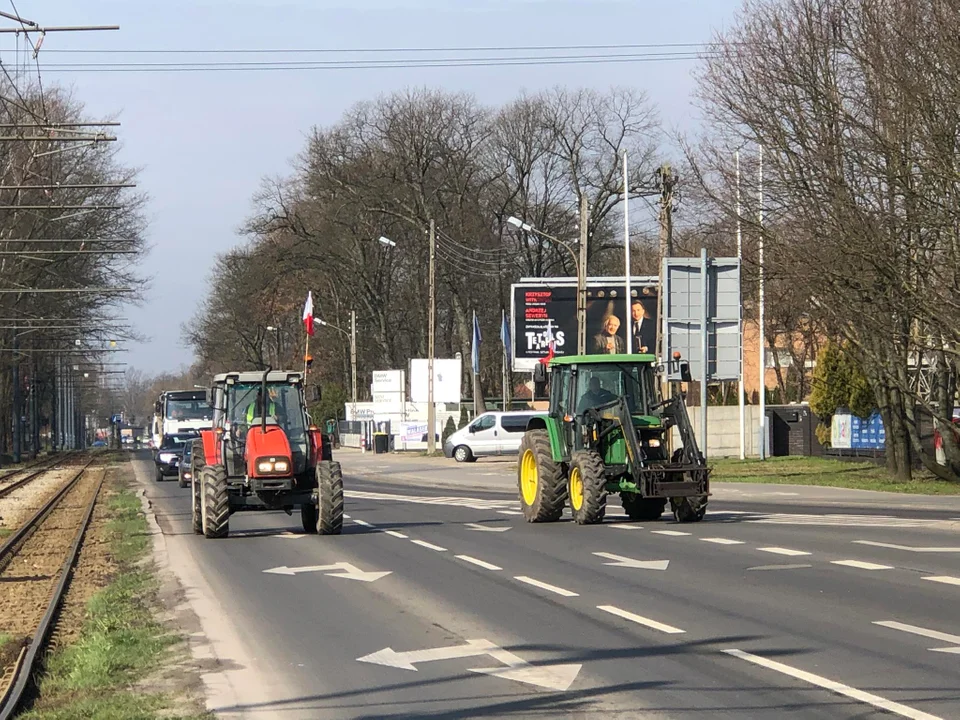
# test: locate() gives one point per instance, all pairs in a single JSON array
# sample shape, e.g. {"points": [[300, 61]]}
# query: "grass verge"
{"points": [[101, 675], [826, 472]]}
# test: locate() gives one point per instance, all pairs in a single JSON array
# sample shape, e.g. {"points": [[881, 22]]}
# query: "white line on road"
{"points": [[909, 548], [346, 517], [480, 563], [833, 686], [722, 541], [624, 526], [545, 586], [396, 534], [671, 533], [487, 528], [364, 523], [779, 567], [429, 546], [861, 565], [945, 579], [783, 551], [932, 634], [647, 622], [509, 512]]}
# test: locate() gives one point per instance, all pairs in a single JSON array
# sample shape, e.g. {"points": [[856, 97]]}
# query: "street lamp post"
{"points": [[353, 351], [276, 330], [581, 279]]}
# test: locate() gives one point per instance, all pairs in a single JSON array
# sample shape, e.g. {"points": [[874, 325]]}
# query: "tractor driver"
{"points": [[594, 396], [256, 405]]}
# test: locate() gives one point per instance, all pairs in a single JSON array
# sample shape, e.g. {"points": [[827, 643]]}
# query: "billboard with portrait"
{"points": [[537, 304]]}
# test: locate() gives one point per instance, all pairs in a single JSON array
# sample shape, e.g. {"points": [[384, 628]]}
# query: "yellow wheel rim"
{"points": [[576, 488], [528, 477]]}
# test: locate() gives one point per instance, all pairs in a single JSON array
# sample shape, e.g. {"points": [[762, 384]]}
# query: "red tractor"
{"points": [[262, 453]]}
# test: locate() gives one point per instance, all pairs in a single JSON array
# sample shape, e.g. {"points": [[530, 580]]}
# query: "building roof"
{"points": [[593, 359]]}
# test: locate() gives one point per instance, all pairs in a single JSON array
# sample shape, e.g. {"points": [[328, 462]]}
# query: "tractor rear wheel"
{"points": [[308, 516], [216, 502], [641, 508], [329, 498], [688, 509], [543, 491], [588, 498]]}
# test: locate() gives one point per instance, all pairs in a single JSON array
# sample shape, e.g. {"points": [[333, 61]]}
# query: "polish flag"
{"points": [[550, 345], [308, 313]]}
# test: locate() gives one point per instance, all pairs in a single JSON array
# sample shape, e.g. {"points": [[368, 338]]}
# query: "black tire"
{"points": [[196, 505], [541, 481], [159, 475], [181, 482], [216, 502], [461, 453], [688, 510], [329, 498], [308, 516], [586, 467], [641, 508]]}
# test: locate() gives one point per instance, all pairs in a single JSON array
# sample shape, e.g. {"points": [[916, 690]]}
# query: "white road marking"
{"points": [[429, 546], [945, 579], [509, 512], [908, 548], [861, 565], [396, 534], [671, 533], [468, 502], [722, 541], [624, 526], [364, 522], [551, 677], [833, 686], [932, 634], [487, 528], [343, 570], [646, 622], [884, 521], [621, 561], [732, 512], [779, 567], [545, 586], [347, 517], [783, 551], [481, 563], [290, 536]]}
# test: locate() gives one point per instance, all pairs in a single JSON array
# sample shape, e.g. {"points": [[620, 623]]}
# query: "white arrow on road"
{"points": [[620, 561], [551, 677], [485, 528], [340, 569]]}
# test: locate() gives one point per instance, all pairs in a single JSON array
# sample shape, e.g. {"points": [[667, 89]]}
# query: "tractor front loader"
{"points": [[607, 432], [263, 454]]}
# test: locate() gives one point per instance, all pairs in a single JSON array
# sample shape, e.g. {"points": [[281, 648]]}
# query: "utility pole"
{"points": [[431, 339], [763, 359], [667, 183], [16, 402], [582, 276], [626, 254], [353, 355]]}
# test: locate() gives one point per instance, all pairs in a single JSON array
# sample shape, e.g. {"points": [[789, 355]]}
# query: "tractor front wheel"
{"points": [[688, 509], [641, 508], [542, 487], [588, 499], [329, 498], [216, 502]]}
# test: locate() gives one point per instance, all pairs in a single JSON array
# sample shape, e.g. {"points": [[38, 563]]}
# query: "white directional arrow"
{"points": [[620, 561], [340, 569], [485, 528], [551, 677]]}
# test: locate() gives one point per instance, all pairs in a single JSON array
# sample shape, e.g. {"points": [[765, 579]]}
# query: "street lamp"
{"points": [[581, 279], [276, 330], [353, 349]]}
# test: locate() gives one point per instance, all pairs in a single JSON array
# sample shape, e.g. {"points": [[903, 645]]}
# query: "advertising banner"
{"points": [[537, 304], [446, 380]]}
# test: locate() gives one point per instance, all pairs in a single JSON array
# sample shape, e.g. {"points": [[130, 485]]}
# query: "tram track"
{"points": [[10, 483]]}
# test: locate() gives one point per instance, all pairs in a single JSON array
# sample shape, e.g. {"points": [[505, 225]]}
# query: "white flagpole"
{"points": [[628, 320], [763, 358], [741, 399]]}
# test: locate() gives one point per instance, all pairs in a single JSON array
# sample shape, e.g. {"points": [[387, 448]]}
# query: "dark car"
{"points": [[167, 457], [185, 473]]}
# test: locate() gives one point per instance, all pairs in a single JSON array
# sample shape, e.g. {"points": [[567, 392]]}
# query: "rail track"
{"points": [[10, 482], [16, 675]]}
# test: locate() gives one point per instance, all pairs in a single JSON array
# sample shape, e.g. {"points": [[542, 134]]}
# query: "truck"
{"points": [[177, 411]]}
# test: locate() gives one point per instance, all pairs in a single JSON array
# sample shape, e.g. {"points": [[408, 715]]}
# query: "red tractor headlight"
{"points": [[273, 465]]}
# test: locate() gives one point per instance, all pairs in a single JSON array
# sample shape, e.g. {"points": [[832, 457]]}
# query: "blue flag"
{"points": [[505, 333], [477, 339]]}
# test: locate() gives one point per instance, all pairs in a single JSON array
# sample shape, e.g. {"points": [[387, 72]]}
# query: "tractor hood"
{"points": [[267, 443]]}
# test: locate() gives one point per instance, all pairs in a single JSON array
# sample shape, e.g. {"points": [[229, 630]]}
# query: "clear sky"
{"points": [[205, 140]]}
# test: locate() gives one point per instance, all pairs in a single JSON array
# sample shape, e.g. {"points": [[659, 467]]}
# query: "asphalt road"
{"points": [[439, 601]]}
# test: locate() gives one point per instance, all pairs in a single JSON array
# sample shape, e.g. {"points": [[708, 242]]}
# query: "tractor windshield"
{"points": [[606, 382], [245, 407]]}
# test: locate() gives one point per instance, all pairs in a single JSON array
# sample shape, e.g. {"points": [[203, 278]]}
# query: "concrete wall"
{"points": [[723, 430]]}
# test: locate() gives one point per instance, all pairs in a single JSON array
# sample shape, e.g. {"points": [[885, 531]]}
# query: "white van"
{"points": [[493, 433]]}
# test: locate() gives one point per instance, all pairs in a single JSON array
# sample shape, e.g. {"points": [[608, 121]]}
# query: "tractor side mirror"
{"points": [[685, 375]]}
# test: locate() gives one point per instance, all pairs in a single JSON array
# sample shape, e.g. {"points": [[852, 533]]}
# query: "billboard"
{"points": [[446, 380], [537, 303]]}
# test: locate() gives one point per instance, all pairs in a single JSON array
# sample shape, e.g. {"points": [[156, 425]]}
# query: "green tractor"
{"points": [[607, 431]]}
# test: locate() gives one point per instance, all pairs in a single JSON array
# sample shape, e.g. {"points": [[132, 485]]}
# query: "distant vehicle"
{"points": [[98, 443], [167, 458], [179, 411], [185, 473], [493, 433]]}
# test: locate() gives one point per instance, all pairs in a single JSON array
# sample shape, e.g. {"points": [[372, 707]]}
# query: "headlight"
{"points": [[281, 466], [186, 475], [167, 457], [653, 442], [265, 467]]}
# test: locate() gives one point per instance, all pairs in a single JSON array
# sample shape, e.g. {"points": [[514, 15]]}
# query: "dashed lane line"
{"points": [[396, 534], [923, 632], [624, 526], [783, 551], [833, 686], [364, 523], [670, 533], [909, 548], [945, 579], [861, 565], [546, 586], [722, 541], [429, 546], [640, 620], [509, 512], [479, 563]]}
